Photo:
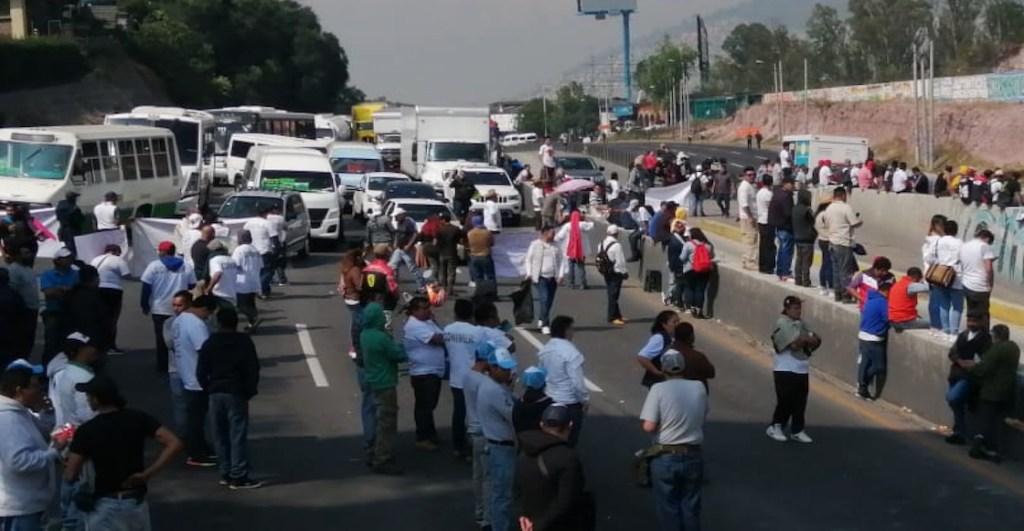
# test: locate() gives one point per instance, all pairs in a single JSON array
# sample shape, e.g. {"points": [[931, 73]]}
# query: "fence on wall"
{"points": [[1003, 87]]}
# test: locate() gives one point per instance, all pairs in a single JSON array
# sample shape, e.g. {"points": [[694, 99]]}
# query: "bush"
{"points": [[39, 62]]}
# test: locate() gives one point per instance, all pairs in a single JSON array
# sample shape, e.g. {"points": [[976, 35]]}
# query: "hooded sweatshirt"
{"points": [[381, 353], [27, 474], [554, 500], [874, 318], [161, 280], [527, 410]]}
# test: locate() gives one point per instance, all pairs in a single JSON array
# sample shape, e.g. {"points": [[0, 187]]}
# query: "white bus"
{"points": [[193, 131], [39, 165], [241, 143], [256, 119]]}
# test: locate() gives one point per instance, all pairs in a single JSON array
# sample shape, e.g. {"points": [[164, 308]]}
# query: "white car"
{"points": [[420, 209], [485, 179], [366, 201]]}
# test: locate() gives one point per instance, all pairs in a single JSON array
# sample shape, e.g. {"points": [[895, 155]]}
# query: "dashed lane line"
{"points": [[309, 351]]}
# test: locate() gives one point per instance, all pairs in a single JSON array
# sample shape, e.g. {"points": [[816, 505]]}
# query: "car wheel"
{"points": [[517, 220], [304, 252]]}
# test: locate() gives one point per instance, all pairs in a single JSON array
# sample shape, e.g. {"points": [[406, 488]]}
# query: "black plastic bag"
{"points": [[522, 303]]}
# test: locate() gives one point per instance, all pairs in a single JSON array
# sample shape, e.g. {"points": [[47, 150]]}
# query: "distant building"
{"points": [[14, 19]]}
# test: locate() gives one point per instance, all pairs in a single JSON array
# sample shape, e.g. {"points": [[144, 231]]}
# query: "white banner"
{"points": [[509, 253], [90, 246], [654, 197], [147, 233]]}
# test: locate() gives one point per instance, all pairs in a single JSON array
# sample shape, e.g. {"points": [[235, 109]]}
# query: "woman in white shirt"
{"points": [[793, 344], [929, 257], [112, 270], [951, 299]]}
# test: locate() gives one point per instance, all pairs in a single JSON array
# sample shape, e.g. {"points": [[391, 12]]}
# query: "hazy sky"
{"points": [[470, 52]]}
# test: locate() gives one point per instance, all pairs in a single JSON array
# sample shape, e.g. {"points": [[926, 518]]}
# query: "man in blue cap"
{"points": [[528, 408], [494, 410], [471, 383]]}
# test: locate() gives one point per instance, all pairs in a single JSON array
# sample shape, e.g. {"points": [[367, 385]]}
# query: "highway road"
{"points": [[869, 468]]}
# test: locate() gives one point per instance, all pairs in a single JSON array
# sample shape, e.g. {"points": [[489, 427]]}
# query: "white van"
{"points": [[307, 172], [241, 143], [349, 161]]}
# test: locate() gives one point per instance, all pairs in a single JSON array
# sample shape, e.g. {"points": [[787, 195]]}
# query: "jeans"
{"points": [[501, 468], [25, 522], [951, 307], [459, 442], [247, 307], [723, 203], [871, 366], [765, 248], [544, 298], [178, 409], [635, 241], [230, 414], [426, 389], [481, 481], [748, 235], [266, 274], [784, 258], [280, 262], [386, 401], [481, 268], [825, 278], [71, 517], [367, 409], [613, 283], [399, 257], [118, 515], [447, 266], [934, 320], [197, 404], [112, 299], [356, 326], [695, 285], [161, 347], [959, 394], [804, 257], [791, 390], [843, 265], [576, 417], [577, 274], [676, 480]]}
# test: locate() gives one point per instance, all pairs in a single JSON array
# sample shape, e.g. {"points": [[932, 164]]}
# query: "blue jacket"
{"points": [[874, 318]]}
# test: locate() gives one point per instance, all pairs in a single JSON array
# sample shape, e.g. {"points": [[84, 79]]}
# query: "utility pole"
{"points": [[807, 112], [544, 99], [931, 103], [917, 107]]}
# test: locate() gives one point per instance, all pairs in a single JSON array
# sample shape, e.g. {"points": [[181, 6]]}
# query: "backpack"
{"points": [[375, 289], [604, 263], [701, 258], [695, 186]]}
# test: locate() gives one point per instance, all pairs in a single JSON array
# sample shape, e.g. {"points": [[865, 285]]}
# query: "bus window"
{"points": [[240, 148], [129, 168], [160, 158], [144, 155], [108, 158], [90, 154]]}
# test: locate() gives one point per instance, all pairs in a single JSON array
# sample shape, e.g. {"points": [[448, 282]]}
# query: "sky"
{"points": [[475, 52]]}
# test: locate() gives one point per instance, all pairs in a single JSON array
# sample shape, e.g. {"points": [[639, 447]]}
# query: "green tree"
{"points": [[574, 110], [657, 73], [1004, 21], [959, 42], [828, 46], [751, 52], [179, 56], [532, 116], [885, 31]]}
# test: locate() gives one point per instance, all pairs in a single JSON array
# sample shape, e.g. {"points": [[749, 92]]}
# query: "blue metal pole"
{"points": [[627, 65]]}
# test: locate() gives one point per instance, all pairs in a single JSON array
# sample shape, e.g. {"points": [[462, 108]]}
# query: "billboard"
{"points": [[623, 110], [591, 7]]}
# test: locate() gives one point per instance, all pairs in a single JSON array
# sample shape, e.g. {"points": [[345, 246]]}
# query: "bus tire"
{"points": [[144, 211]]}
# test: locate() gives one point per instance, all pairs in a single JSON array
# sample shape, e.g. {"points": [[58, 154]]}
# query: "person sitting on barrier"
{"points": [[903, 300]]}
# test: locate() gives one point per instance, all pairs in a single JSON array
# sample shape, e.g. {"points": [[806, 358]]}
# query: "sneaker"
{"points": [[540, 324], [775, 433], [801, 437], [245, 484], [115, 352], [224, 481], [617, 322], [201, 462], [546, 331], [956, 439], [472, 284], [255, 324], [426, 445], [950, 338], [824, 292], [864, 395]]}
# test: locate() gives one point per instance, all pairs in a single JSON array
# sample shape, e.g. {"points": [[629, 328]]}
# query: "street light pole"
{"points": [[544, 99], [807, 112]]}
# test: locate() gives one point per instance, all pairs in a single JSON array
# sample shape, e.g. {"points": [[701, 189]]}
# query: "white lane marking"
{"points": [[736, 153], [319, 378], [737, 165], [591, 386]]}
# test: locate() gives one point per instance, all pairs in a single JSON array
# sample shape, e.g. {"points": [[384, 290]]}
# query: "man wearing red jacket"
{"points": [[903, 299]]}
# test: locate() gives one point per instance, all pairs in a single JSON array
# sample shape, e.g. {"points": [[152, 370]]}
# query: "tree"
{"points": [[751, 52], [179, 56], [532, 117], [885, 31], [959, 40], [1004, 21], [828, 46], [575, 110], [659, 72]]}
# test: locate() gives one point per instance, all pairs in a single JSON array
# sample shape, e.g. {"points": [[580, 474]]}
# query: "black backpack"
{"points": [[695, 186], [375, 289], [604, 263]]}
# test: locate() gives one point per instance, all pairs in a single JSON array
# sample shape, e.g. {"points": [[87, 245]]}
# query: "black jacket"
{"points": [[803, 224], [780, 210], [675, 248], [228, 364], [556, 500], [12, 306], [526, 412], [84, 311], [965, 349]]}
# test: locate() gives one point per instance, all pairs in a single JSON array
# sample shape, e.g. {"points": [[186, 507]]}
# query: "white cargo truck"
{"points": [[387, 126], [439, 139], [809, 150]]}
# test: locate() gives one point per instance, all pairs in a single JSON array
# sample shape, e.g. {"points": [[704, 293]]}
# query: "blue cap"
{"points": [[484, 349], [502, 358], [24, 364], [534, 378], [478, 221]]}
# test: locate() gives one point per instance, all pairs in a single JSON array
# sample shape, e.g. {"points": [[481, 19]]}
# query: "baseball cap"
{"points": [[612, 230], [22, 363], [534, 378], [672, 362], [484, 349], [478, 221], [556, 416], [78, 336], [165, 247], [103, 388], [398, 212], [791, 301], [110, 196], [502, 358], [63, 252]]}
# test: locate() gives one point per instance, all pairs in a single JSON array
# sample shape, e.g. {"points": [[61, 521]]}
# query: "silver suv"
{"points": [[249, 204]]}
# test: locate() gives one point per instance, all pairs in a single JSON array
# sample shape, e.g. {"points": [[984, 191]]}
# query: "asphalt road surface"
{"points": [[869, 468]]}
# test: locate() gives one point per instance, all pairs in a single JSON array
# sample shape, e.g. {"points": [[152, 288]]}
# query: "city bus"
{"points": [[39, 165], [194, 133], [256, 119]]}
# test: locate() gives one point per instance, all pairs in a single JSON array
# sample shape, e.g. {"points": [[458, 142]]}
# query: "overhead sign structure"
{"points": [[624, 8], [594, 7]]}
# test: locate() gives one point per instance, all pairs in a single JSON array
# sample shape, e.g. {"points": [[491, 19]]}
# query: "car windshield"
{"points": [[380, 183], [452, 151], [248, 206], [487, 178], [34, 161], [355, 165], [576, 163], [410, 191], [296, 180], [420, 213]]}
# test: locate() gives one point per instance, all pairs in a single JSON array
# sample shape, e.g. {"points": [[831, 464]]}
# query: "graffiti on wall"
{"points": [[1009, 238], [1005, 87]]}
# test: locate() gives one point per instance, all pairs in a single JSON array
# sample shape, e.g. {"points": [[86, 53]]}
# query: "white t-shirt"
{"points": [[492, 216], [972, 262], [227, 286], [249, 262], [277, 226], [189, 332], [111, 269], [899, 180], [460, 339], [538, 198], [747, 197], [106, 215], [825, 176], [785, 362], [165, 284], [424, 358], [679, 407], [762, 199], [613, 189], [947, 252], [547, 156], [784, 158], [260, 230]]}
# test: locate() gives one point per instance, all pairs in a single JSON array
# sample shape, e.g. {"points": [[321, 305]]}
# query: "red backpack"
{"points": [[701, 258]]}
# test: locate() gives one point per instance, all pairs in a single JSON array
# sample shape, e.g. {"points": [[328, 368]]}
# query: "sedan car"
{"points": [[366, 202], [578, 167]]}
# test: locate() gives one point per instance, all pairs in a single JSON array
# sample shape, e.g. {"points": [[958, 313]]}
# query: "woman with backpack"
{"points": [[662, 335], [698, 262]]}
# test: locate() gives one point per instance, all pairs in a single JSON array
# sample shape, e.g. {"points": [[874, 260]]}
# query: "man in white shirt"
{"points": [[545, 269], [260, 231], [765, 232], [900, 179], [747, 198], [164, 277], [460, 339], [279, 235], [223, 275], [190, 331], [106, 213], [674, 413], [977, 263], [492, 214], [78, 357], [642, 218], [784, 156], [112, 270], [249, 263], [825, 174], [565, 382], [619, 272], [841, 220], [547, 160], [424, 345]]}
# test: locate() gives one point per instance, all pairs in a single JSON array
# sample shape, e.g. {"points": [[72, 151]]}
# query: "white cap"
{"points": [[613, 230], [78, 336], [63, 252], [398, 211], [195, 220]]}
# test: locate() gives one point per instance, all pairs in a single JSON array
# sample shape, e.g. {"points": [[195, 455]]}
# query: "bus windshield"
{"points": [[354, 165], [315, 179], [34, 161], [452, 151]]}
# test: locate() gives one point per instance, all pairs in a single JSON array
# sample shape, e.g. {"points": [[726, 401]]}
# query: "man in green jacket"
{"points": [[997, 374], [381, 356]]}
